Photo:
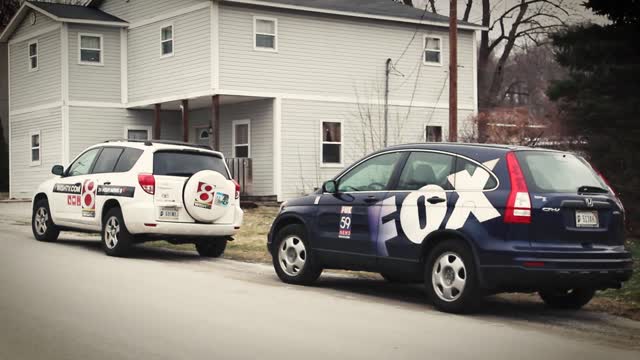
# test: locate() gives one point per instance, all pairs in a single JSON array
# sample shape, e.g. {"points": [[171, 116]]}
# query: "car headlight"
{"points": [[283, 205]]}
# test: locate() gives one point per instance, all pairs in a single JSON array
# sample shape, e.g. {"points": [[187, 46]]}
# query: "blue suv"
{"points": [[467, 220]]}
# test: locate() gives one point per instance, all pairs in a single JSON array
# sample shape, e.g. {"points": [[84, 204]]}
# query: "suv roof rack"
{"points": [[165, 142]]}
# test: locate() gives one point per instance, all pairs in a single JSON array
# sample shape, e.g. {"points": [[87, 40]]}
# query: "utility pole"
{"points": [[453, 70], [386, 101]]}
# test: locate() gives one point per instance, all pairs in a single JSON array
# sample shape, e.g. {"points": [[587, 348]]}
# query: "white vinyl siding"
{"points": [[95, 83], [260, 113], [34, 88], [32, 55], [139, 10], [187, 71], [24, 177], [338, 56], [26, 28], [265, 33], [302, 171], [90, 49]]}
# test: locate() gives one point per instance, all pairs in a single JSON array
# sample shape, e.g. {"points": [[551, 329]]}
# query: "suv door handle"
{"points": [[436, 200], [371, 199]]}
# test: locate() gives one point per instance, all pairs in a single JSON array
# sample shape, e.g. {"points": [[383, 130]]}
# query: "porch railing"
{"points": [[242, 171]]}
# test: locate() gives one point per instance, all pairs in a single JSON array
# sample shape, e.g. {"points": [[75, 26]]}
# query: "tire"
{"points": [[293, 260], [41, 223], [451, 278], [212, 248], [116, 239], [567, 299]]}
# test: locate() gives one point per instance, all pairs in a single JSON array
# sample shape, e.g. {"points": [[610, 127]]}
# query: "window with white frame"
{"points": [[265, 33], [90, 49], [241, 138], [34, 139], [166, 40], [433, 133], [432, 50], [137, 133], [33, 55], [331, 142]]}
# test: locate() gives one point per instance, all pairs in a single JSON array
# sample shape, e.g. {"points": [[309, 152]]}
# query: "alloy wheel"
{"points": [[449, 276], [292, 255], [111, 231], [41, 218]]}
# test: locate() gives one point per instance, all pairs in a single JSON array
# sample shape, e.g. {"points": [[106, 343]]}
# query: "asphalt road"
{"points": [[67, 300]]}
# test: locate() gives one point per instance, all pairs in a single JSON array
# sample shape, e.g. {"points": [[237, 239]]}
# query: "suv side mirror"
{"points": [[57, 170], [330, 187]]}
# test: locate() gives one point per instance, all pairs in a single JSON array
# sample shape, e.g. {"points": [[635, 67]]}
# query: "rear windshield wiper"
{"points": [[589, 189]]}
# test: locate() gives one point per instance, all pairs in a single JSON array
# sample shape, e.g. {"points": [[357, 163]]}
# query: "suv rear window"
{"points": [[557, 172], [184, 163]]}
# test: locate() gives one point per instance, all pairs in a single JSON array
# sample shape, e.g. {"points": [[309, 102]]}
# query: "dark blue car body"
{"points": [[386, 226]]}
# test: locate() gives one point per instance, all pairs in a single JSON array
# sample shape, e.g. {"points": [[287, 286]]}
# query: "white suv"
{"points": [[133, 191]]}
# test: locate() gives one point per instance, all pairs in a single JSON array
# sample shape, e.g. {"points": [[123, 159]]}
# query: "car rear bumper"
{"points": [[532, 271]]}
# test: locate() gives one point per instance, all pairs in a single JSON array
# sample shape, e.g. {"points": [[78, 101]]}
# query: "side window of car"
{"points": [[128, 158], [427, 168], [470, 171], [107, 160], [371, 175], [83, 164]]}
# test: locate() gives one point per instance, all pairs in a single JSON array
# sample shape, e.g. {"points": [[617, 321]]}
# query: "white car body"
{"points": [[72, 207]]}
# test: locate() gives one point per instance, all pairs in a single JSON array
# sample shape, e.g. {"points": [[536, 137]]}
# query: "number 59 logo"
{"points": [[345, 223]]}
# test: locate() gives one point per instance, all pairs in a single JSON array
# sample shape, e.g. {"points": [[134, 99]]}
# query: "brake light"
{"points": [[237, 188], [147, 183], [518, 208]]}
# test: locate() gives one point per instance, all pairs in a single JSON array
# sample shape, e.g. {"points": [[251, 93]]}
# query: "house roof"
{"points": [[377, 9], [63, 13], [76, 12]]}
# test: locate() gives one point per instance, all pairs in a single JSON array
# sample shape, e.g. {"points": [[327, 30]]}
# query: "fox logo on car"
{"points": [[345, 222], [204, 196]]}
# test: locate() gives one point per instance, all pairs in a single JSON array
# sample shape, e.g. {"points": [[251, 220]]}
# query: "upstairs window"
{"points": [[265, 34], [90, 49], [33, 55], [432, 50], [35, 148], [434, 133], [166, 41], [331, 143]]}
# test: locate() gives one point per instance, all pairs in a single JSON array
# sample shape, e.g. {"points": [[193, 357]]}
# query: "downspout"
{"points": [[386, 101]]}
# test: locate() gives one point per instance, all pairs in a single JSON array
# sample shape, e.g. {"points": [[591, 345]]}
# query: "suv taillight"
{"points": [[237, 188], [518, 208], [147, 183]]}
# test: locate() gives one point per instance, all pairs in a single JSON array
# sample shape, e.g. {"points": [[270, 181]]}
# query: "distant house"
{"points": [[292, 85]]}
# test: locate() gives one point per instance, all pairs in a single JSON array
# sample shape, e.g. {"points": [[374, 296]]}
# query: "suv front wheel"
{"points": [[41, 223], [293, 259], [450, 277]]}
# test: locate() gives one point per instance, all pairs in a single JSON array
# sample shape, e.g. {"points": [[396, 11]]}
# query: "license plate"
{"points": [[169, 213], [587, 219]]}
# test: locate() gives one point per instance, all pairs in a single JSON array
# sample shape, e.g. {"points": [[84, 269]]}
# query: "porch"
{"points": [[241, 127]]}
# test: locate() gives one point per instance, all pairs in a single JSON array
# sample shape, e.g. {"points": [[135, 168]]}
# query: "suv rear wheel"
{"points": [[41, 223], [567, 299], [212, 248], [293, 259], [450, 277], [116, 239]]}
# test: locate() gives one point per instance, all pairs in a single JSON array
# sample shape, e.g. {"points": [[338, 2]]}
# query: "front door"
{"points": [[343, 222], [73, 193]]}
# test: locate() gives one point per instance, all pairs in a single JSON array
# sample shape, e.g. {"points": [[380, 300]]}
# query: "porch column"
{"points": [[214, 141], [156, 122], [185, 120]]}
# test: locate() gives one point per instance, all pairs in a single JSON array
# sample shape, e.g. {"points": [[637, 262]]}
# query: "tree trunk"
{"points": [[483, 55]]}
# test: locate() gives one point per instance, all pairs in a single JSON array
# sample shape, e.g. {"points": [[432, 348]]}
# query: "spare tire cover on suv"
{"points": [[208, 195]]}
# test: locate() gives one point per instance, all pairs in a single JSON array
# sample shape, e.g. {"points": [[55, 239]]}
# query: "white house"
{"points": [[297, 86]]}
